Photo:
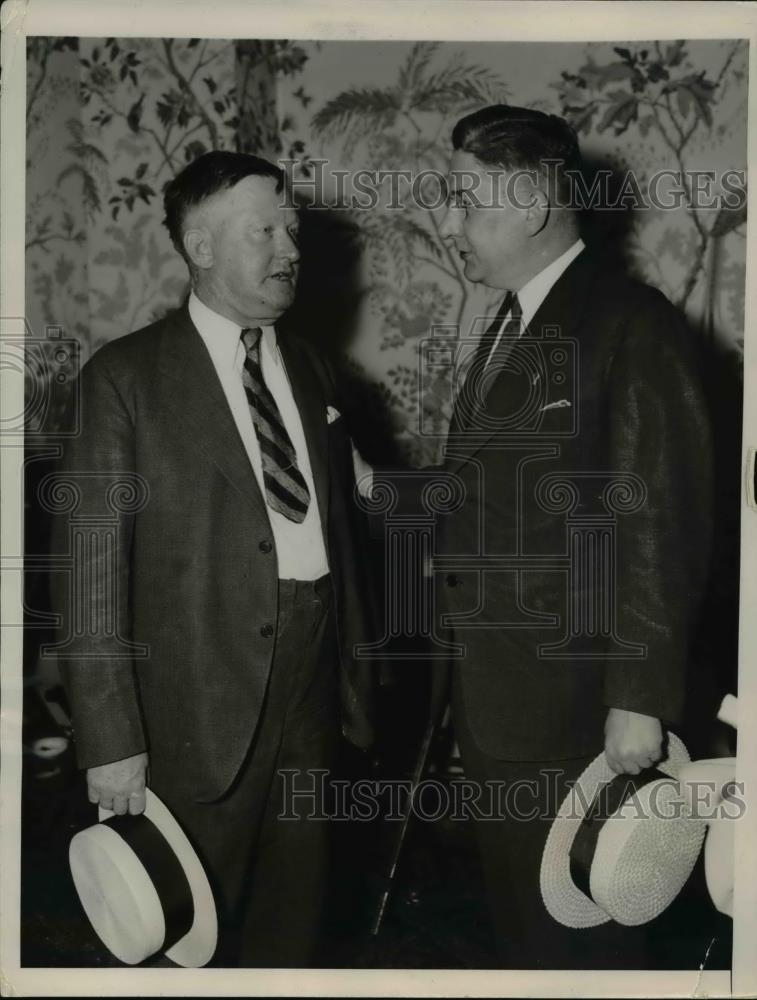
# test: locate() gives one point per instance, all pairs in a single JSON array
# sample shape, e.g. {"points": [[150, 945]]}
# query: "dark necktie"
{"points": [[511, 329], [470, 396], [285, 489]]}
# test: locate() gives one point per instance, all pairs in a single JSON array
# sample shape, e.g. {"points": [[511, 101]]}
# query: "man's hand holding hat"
{"points": [[119, 785], [632, 741]]}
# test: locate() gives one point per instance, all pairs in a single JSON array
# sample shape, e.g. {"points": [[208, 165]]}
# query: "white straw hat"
{"points": [[629, 863], [143, 887]]}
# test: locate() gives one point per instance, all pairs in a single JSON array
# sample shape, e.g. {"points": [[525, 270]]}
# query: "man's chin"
{"points": [[282, 297], [475, 273], [482, 277]]}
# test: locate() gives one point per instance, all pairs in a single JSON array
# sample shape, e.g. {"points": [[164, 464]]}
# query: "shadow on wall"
{"points": [[609, 229], [325, 313]]}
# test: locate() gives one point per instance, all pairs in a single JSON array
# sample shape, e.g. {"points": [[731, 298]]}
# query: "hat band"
{"points": [[164, 869], [608, 800]]}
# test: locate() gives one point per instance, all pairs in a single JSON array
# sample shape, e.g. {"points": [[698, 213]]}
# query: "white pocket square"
{"points": [[332, 414], [559, 405]]}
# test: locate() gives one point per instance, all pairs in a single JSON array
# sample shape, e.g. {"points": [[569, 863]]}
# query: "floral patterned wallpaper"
{"points": [[638, 108], [110, 121]]}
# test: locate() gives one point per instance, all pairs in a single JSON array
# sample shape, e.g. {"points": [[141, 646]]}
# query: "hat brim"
{"points": [[564, 901], [197, 946]]}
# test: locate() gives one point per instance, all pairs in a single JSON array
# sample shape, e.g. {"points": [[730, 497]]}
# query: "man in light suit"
{"points": [[584, 379], [239, 573]]}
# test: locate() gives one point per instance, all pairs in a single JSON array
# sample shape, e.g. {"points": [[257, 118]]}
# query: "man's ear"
{"points": [[198, 244], [537, 211]]}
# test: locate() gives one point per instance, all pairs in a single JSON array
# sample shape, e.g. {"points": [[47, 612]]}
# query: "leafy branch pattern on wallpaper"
{"points": [[638, 108], [110, 121], [406, 126], [657, 89], [415, 278], [261, 66], [130, 114]]}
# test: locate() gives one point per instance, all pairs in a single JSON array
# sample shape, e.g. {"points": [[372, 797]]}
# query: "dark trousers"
{"points": [[511, 847], [269, 874]]}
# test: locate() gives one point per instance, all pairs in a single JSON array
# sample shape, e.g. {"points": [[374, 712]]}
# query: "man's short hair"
{"points": [[520, 139], [206, 176]]}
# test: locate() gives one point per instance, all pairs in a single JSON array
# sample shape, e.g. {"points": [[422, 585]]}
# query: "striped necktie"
{"points": [[285, 489]]}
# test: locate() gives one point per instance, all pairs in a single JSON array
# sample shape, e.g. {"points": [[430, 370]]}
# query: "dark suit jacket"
{"points": [[195, 567], [637, 413]]}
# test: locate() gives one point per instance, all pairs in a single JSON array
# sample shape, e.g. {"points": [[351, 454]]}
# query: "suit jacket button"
{"points": [[265, 546], [451, 580], [266, 631]]}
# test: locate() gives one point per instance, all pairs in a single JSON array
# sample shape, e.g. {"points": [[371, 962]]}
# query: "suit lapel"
{"points": [[195, 394], [311, 405], [562, 310]]}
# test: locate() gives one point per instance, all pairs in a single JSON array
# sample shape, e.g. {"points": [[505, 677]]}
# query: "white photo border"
{"points": [[454, 20]]}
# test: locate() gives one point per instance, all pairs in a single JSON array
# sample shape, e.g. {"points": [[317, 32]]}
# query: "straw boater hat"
{"points": [[143, 887], [621, 847]]}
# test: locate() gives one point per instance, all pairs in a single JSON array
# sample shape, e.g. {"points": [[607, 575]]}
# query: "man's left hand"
{"points": [[632, 741]]}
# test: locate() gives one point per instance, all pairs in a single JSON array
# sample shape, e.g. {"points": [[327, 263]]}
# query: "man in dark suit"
{"points": [[572, 571], [235, 575]]}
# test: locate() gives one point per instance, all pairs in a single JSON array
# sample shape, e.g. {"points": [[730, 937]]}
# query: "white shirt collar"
{"points": [[222, 336], [535, 291]]}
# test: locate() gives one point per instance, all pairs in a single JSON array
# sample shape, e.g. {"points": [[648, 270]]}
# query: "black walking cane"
{"points": [[420, 764]]}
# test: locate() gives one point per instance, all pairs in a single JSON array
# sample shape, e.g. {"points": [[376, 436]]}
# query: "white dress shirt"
{"points": [[300, 548], [535, 291]]}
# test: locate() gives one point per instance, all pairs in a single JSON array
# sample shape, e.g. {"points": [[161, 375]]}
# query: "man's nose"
{"points": [[448, 225], [288, 249]]}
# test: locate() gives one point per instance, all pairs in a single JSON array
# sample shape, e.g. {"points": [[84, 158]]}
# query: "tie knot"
{"points": [[251, 338], [510, 310]]}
